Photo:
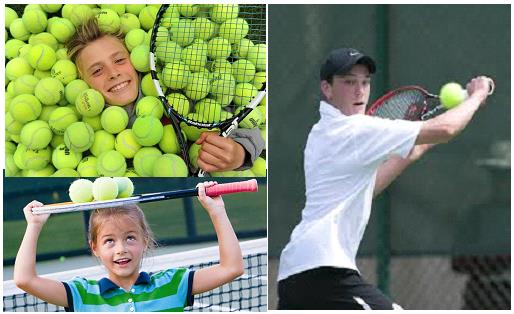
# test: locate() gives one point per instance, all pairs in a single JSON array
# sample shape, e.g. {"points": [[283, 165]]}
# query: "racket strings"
{"points": [[406, 104]]}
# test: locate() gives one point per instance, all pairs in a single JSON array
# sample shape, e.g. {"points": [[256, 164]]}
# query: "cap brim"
{"points": [[368, 62]]}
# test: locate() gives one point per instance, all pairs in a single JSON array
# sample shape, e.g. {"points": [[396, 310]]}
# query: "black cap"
{"points": [[340, 61]]}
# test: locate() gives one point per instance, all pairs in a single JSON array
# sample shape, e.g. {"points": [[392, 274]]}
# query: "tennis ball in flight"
{"points": [[114, 119], [451, 95], [81, 191], [89, 103], [79, 136], [125, 187], [111, 163], [36, 134], [105, 188]]}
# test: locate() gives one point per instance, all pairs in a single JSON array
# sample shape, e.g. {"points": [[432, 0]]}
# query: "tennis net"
{"points": [[246, 293]]}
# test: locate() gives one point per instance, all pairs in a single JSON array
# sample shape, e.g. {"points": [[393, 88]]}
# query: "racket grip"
{"points": [[234, 187]]}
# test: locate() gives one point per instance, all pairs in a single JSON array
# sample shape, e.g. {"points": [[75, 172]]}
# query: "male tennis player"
{"points": [[349, 158]]}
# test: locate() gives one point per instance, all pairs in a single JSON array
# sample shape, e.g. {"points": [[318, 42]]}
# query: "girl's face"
{"points": [[120, 246], [105, 65]]}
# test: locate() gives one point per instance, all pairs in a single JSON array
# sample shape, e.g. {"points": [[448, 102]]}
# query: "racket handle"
{"points": [[234, 187]]}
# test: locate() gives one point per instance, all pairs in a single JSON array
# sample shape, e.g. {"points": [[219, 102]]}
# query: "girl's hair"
{"points": [[133, 212], [86, 33]]}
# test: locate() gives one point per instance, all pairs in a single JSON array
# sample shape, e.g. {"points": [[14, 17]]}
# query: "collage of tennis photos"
{"points": [[256, 156]]}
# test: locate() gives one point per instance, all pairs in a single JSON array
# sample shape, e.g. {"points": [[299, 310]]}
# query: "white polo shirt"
{"points": [[342, 156]]}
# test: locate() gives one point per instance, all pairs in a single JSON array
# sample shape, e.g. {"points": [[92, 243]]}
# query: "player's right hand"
{"points": [[38, 220], [479, 86]]}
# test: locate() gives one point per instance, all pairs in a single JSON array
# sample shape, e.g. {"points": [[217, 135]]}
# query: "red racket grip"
{"points": [[233, 187]]}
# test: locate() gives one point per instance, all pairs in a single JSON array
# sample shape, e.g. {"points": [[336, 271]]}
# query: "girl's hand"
{"points": [[37, 220], [213, 205]]}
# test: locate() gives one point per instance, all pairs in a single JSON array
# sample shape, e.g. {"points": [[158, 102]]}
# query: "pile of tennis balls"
{"points": [[103, 188], [56, 125]]}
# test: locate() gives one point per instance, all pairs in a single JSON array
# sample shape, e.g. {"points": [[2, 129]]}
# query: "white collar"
{"points": [[328, 110]]}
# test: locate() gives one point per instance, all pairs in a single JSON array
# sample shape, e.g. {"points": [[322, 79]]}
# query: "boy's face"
{"points": [[349, 92], [105, 65]]}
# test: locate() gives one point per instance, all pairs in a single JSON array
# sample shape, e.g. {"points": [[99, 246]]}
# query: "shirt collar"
{"points": [[328, 110], [105, 284]]}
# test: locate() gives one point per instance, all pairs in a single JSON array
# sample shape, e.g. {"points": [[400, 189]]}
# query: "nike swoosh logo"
{"points": [[353, 54]]}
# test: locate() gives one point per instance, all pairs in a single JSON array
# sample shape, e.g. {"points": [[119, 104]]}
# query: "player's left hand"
{"points": [[219, 153], [213, 205]]}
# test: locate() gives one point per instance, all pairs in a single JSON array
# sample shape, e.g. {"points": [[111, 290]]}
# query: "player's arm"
{"points": [[446, 126], [231, 259], [25, 276]]}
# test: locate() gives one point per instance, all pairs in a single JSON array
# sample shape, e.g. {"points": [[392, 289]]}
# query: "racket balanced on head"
{"points": [[204, 66], [410, 103]]}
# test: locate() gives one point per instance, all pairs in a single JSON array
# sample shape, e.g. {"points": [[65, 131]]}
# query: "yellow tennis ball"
{"points": [[57, 140], [131, 173], [147, 17], [198, 86], [12, 48], [114, 119], [35, 21], [36, 134], [170, 165], [257, 56], [26, 158], [253, 120], [223, 88], [148, 130], [147, 86], [103, 141], [25, 84], [149, 105], [222, 12], [105, 188], [94, 122], [244, 93], [176, 75], [90, 103], [128, 22], [41, 57], [87, 167], [11, 125], [51, 8], [125, 187], [243, 71], [25, 108], [193, 153], [126, 144], [10, 16], [49, 91], [79, 136], [111, 163], [219, 48], [169, 142], [45, 172], [134, 38], [193, 133], [451, 95], [209, 110], [259, 167], [17, 67], [182, 32], [66, 172], [45, 39], [108, 20], [73, 89], [241, 47], [194, 57], [144, 160], [65, 71], [62, 54], [179, 103], [117, 8], [259, 80], [204, 28], [62, 29], [18, 30], [234, 30], [140, 58], [134, 8], [63, 157], [81, 191], [79, 14], [11, 170]]}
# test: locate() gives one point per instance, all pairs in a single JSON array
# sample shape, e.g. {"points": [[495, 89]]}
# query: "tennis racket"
{"points": [[208, 65], [410, 103], [216, 190]]}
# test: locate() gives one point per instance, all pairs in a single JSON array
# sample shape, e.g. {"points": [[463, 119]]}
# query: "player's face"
{"points": [[105, 65], [350, 92], [120, 246]]}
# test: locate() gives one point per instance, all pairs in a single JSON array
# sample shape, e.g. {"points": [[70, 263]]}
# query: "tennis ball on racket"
{"points": [[149, 105], [179, 103], [198, 86], [128, 22], [36, 134], [79, 14], [219, 48], [241, 47], [204, 28], [195, 57], [126, 144], [41, 57], [66, 173], [73, 89], [134, 8], [87, 167], [114, 119], [103, 141], [222, 12], [49, 91], [254, 119], [65, 71], [168, 51], [220, 66], [90, 103], [257, 56], [12, 48], [51, 8], [81, 191], [147, 86], [105, 188], [148, 130], [144, 160], [79, 136], [139, 56], [244, 93], [111, 163], [170, 165], [125, 187], [10, 16], [209, 110], [25, 84], [234, 30], [17, 67], [243, 71], [63, 157], [134, 38], [183, 32], [259, 167], [147, 17], [35, 21], [108, 20], [451, 95], [25, 108], [18, 30], [176, 75]]}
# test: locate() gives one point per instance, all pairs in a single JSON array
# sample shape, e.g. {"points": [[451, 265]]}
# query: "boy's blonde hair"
{"points": [[133, 212], [86, 33]]}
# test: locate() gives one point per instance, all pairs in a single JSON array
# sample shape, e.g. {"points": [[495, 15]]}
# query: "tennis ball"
{"points": [[149, 105], [193, 133], [45, 172], [134, 8], [194, 57], [451, 95], [36, 134], [51, 8], [183, 32], [244, 93], [18, 30], [45, 39], [111, 163], [79, 136], [42, 74], [63, 157], [41, 57], [254, 119], [147, 130], [81, 191], [94, 122], [66, 10], [87, 167], [117, 8], [204, 28], [114, 119], [259, 167], [66, 172], [17, 67], [49, 91], [257, 56], [134, 38], [11, 125], [46, 112], [234, 30], [25, 84], [105, 188], [125, 187], [35, 21], [170, 165], [89, 103], [169, 142], [25, 108], [10, 147], [144, 160], [10, 16], [218, 48], [62, 29], [209, 110], [73, 89], [12, 48], [222, 12], [241, 47], [103, 141], [198, 86], [193, 153], [11, 170], [131, 173], [167, 51], [126, 143], [147, 17], [147, 86], [65, 71], [26, 158], [176, 75], [62, 54], [259, 80], [129, 22], [179, 103], [187, 10], [243, 71], [79, 14], [140, 58], [108, 20], [57, 140]]}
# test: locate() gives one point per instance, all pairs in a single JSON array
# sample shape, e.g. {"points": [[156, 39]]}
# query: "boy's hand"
{"points": [[36, 220], [479, 86], [219, 153], [213, 205]]}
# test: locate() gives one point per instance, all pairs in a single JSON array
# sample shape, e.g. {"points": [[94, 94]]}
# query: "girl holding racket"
{"points": [[119, 238], [349, 158]]}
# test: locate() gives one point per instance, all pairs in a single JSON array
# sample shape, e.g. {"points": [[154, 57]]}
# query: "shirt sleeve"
{"points": [[72, 292], [252, 142]]}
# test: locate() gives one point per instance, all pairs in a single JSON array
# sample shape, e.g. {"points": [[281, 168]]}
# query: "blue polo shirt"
{"points": [[169, 290]]}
